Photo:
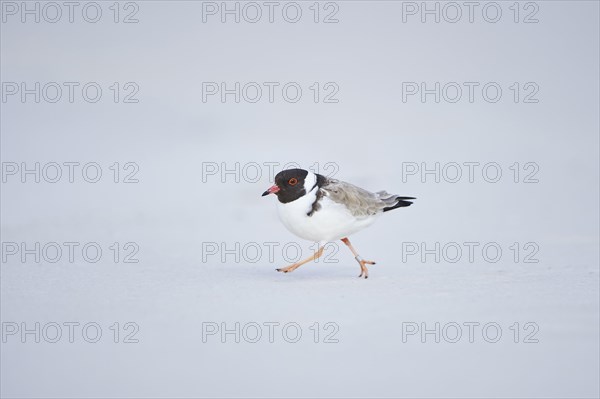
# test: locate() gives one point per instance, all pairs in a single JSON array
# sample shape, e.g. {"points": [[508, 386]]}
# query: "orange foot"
{"points": [[363, 268]]}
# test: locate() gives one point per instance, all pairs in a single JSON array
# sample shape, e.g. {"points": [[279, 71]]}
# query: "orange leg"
{"points": [[296, 265], [363, 269]]}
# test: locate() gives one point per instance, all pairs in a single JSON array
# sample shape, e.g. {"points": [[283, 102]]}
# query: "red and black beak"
{"points": [[271, 190]]}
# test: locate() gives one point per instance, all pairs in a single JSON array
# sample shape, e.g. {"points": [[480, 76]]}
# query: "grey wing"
{"points": [[359, 202]]}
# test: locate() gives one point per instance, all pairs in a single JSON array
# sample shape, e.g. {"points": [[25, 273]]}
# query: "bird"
{"points": [[323, 209]]}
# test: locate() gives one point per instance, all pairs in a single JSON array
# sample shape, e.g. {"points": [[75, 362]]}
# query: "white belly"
{"points": [[331, 222]]}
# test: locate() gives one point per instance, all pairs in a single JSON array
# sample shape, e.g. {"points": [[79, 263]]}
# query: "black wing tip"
{"points": [[400, 204]]}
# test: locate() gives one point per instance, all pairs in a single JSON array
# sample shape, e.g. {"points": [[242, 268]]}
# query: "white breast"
{"points": [[331, 222]]}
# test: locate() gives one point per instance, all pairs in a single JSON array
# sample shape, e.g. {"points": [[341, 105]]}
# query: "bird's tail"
{"points": [[400, 202]]}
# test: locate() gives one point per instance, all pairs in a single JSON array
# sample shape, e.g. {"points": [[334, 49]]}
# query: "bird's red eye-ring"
{"points": [[293, 181]]}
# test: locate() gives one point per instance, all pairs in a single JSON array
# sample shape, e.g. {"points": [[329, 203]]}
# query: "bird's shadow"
{"points": [[341, 273]]}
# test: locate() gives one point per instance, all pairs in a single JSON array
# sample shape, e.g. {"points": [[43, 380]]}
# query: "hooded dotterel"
{"points": [[321, 209]]}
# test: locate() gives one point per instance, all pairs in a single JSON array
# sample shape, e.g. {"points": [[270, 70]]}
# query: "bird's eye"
{"points": [[293, 181]]}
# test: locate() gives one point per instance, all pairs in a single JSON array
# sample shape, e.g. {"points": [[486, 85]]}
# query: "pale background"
{"points": [[368, 134]]}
